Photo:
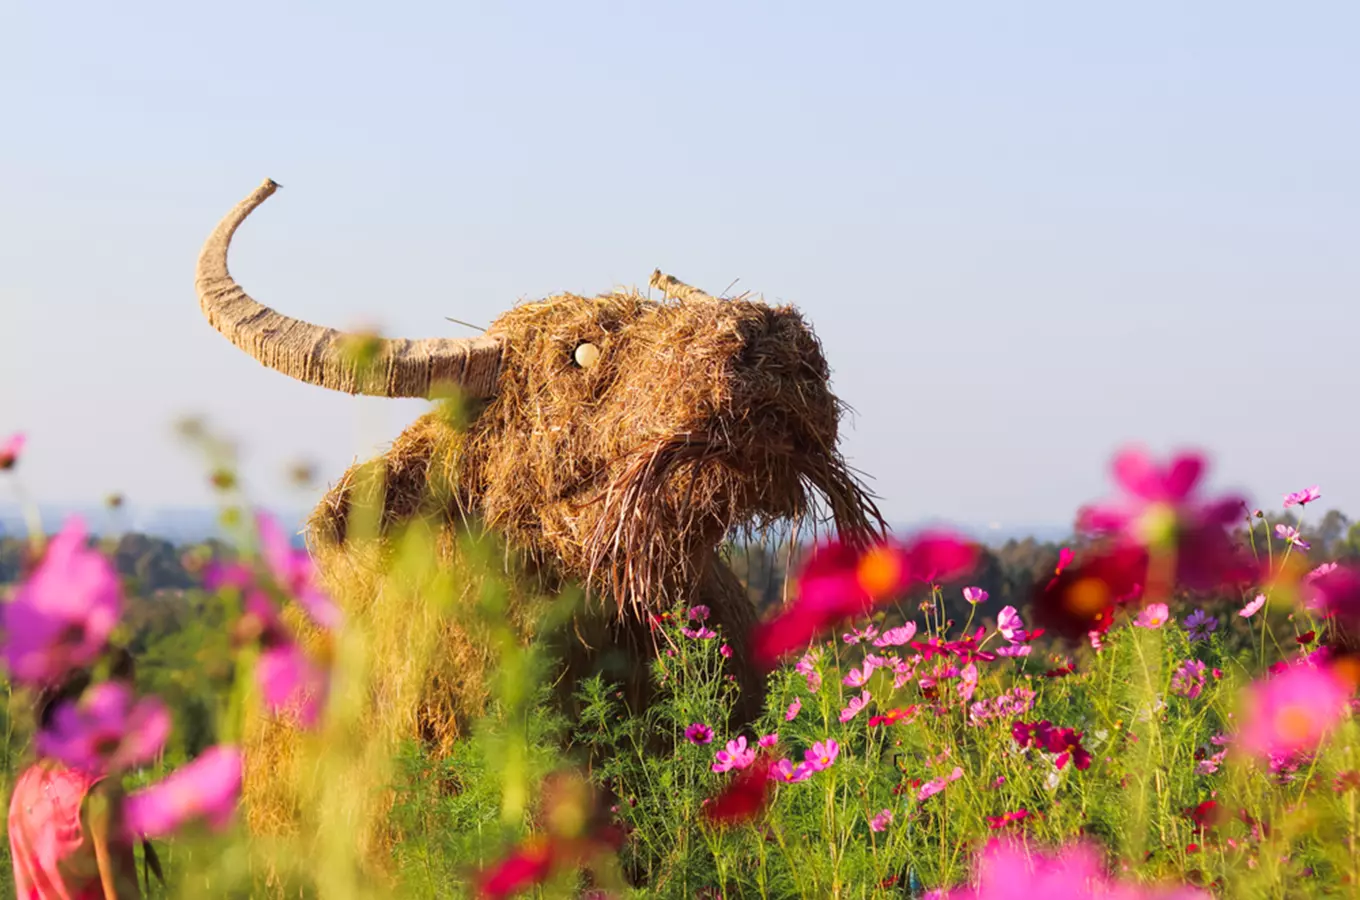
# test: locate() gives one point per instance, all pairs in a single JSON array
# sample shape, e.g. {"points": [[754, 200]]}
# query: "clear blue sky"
{"points": [[1026, 233]]}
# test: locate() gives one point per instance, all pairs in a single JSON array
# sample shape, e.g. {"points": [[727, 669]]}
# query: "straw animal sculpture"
{"points": [[613, 443]]}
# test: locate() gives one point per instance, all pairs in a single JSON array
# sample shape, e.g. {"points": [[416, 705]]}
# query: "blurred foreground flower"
{"points": [[1291, 711], [10, 451], [1009, 871], [207, 788], [106, 730], [743, 798], [839, 582], [61, 616], [1083, 599]]}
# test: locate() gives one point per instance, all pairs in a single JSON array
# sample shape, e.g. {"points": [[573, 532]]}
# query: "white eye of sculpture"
{"points": [[587, 355]]}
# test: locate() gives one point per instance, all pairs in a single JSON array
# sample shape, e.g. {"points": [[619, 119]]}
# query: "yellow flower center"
{"points": [[1158, 525]]}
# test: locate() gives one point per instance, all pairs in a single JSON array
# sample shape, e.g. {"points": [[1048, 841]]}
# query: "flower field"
{"points": [[1168, 713]]}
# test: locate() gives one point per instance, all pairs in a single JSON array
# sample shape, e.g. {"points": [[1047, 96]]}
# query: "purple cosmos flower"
{"points": [[106, 730], [699, 733], [974, 595], [1291, 536], [1199, 624], [61, 616], [822, 755], [1303, 497], [857, 704], [207, 788]]}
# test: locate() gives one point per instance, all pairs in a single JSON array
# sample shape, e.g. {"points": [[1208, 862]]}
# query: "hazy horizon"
{"points": [[1026, 237]]}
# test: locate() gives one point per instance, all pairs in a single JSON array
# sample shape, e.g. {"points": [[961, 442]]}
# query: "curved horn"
{"points": [[392, 367]]}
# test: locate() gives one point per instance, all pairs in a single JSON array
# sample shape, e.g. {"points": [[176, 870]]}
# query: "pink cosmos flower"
{"points": [[859, 677], [768, 740], [968, 681], [822, 755], [931, 788], [975, 595], [1291, 535], [1253, 607], [1290, 712], [207, 788], [1010, 626], [854, 636], [787, 772], [736, 756], [61, 617], [896, 637], [106, 730], [1154, 615], [796, 705], [291, 683], [699, 733], [1009, 870], [726, 651], [1014, 650], [1303, 497], [1065, 557], [881, 821], [856, 706], [292, 569], [11, 450]]}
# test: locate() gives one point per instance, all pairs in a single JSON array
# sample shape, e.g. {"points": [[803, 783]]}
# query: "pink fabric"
{"points": [[52, 858]]}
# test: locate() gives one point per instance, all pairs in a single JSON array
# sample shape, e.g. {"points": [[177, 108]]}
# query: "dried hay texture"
{"points": [[700, 417]]}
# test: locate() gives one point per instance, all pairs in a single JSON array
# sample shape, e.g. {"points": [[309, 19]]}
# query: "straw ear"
{"points": [[675, 288], [342, 361]]}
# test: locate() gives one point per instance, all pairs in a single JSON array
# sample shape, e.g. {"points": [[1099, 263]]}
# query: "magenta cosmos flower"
{"points": [[881, 821], [207, 789], [839, 582], [788, 773], [1303, 497], [1291, 711], [291, 683], [1009, 870], [822, 754], [60, 618], [793, 709], [1161, 509], [294, 573], [106, 730], [10, 451], [699, 733]]}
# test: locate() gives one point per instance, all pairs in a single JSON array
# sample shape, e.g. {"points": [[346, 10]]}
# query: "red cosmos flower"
{"points": [[893, 716], [1206, 815], [529, 864], [839, 582], [1067, 744], [744, 796], [1008, 818], [1080, 600]]}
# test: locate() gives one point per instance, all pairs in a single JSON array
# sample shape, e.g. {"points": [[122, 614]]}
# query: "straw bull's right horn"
{"points": [[387, 367]]}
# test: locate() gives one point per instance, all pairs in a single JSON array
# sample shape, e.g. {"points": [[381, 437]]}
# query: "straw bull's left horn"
{"points": [[382, 367]]}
